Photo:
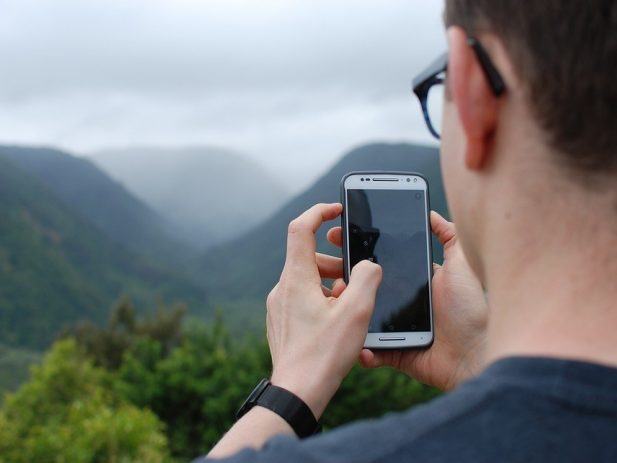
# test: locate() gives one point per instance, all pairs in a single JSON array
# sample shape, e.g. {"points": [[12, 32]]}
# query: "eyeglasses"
{"points": [[429, 85]]}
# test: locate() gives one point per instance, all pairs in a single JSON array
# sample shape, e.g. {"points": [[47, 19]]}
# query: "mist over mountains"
{"points": [[73, 240], [239, 274], [90, 192], [209, 194], [58, 267]]}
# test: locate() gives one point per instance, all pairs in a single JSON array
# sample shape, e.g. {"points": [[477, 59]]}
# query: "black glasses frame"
{"points": [[431, 76]]}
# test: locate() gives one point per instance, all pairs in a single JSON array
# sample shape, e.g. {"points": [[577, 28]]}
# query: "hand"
{"points": [[460, 317], [315, 337]]}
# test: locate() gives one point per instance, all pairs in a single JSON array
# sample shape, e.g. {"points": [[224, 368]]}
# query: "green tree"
{"points": [[372, 393], [197, 389], [107, 345], [71, 411], [195, 379]]}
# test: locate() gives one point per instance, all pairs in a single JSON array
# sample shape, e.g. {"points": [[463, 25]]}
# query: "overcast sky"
{"points": [[293, 83]]}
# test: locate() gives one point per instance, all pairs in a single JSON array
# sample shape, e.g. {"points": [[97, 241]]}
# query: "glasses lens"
{"points": [[434, 106]]}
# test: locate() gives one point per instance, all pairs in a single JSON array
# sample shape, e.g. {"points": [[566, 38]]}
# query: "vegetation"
{"points": [[129, 387], [72, 411], [55, 267], [14, 367], [90, 193], [145, 389]]}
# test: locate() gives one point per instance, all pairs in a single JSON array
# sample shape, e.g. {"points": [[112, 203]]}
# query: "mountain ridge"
{"points": [[211, 194], [57, 268], [248, 267], [87, 190]]}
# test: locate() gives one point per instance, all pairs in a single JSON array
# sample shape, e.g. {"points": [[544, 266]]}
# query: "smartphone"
{"points": [[386, 220]]}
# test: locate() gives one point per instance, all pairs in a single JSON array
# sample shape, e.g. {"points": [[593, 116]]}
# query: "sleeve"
{"points": [[362, 442], [419, 434]]}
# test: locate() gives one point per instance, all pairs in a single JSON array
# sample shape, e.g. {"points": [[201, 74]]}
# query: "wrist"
{"points": [[316, 392]]}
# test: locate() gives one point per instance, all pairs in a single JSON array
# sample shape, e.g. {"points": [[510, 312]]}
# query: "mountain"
{"points": [[84, 188], [57, 268], [210, 194], [239, 274]]}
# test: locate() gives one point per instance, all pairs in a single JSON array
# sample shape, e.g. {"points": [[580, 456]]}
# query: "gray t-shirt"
{"points": [[518, 410]]}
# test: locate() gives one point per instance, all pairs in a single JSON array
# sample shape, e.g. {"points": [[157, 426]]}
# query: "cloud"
{"points": [[288, 81]]}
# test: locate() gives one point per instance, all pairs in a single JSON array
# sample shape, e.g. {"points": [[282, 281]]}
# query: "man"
{"points": [[529, 157]]}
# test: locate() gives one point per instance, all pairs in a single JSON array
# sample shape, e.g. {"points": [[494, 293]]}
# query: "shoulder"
{"points": [[518, 410], [394, 436]]}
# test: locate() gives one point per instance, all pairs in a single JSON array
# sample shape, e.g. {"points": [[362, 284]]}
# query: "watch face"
{"points": [[252, 398]]}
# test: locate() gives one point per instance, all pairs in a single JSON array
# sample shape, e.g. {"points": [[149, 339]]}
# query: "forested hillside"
{"points": [[139, 384], [107, 204], [71, 238], [57, 268], [143, 389]]}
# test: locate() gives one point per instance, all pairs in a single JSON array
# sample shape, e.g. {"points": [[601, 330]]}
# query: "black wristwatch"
{"points": [[285, 404]]}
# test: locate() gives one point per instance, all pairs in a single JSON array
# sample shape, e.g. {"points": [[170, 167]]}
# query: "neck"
{"points": [[551, 279]]}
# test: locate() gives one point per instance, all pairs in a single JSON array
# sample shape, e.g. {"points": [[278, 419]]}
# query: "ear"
{"points": [[472, 96]]}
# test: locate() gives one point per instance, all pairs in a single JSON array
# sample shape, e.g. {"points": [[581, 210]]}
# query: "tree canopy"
{"points": [[147, 389]]}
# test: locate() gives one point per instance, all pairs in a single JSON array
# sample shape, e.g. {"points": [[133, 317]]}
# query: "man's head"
{"points": [[557, 122], [564, 52]]}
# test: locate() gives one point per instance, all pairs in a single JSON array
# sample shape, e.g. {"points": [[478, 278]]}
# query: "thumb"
{"points": [[362, 288], [368, 359], [444, 231], [388, 358]]}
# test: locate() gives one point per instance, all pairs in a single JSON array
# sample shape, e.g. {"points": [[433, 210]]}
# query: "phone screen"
{"points": [[389, 227]]}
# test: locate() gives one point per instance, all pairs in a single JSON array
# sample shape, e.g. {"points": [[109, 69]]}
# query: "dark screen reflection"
{"points": [[389, 227]]}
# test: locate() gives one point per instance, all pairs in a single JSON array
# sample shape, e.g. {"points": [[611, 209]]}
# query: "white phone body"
{"points": [[386, 219]]}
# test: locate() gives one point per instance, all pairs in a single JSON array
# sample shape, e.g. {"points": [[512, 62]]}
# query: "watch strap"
{"points": [[285, 404]]}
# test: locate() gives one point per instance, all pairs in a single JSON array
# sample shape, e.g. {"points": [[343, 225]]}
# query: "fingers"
{"points": [[301, 238], [335, 236], [326, 291], [362, 289], [338, 287], [368, 359], [329, 266], [444, 231], [376, 359]]}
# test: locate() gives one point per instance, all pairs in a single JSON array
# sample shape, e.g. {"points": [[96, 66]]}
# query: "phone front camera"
{"points": [[408, 179], [361, 179]]}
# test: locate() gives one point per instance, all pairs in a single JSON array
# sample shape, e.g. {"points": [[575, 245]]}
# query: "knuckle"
{"points": [[451, 242], [366, 266], [361, 315], [295, 226], [271, 298], [282, 300], [302, 222]]}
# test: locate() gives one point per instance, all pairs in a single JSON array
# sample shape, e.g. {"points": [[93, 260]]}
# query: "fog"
{"points": [[291, 83]]}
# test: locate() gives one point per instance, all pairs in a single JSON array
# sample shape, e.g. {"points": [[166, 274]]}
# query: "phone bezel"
{"points": [[398, 340]]}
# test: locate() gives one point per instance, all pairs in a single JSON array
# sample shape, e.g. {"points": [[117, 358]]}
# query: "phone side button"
{"points": [[392, 339]]}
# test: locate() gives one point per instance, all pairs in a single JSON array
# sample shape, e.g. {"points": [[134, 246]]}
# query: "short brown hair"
{"points": [[565, 52]]}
